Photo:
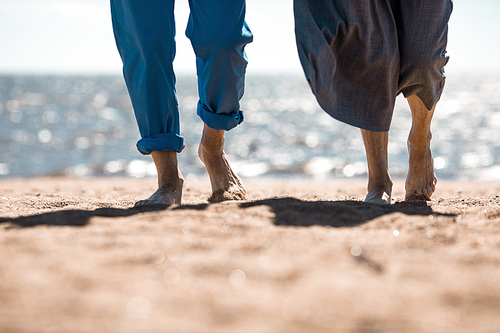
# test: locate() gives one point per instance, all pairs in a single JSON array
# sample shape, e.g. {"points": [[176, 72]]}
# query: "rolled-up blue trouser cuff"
{"points": [[219, 121], [161, 142]]}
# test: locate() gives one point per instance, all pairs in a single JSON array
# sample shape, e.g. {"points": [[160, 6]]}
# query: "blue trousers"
{"points": [[145, 36]]}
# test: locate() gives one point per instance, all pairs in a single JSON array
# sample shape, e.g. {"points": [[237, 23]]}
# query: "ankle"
{"points": [[212, 141], [167, 169], [385, 184], [418, 140], [170, 181], [209, 150]]}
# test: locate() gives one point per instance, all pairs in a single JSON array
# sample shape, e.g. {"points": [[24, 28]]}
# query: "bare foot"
{"points": [[421, 180], [226, 185], [170, 181], [164, 195], [379, 195], [379, 180]]}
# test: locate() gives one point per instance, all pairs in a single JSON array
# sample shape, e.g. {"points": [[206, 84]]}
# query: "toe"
{"points": [[430, 190], [139, 203]]}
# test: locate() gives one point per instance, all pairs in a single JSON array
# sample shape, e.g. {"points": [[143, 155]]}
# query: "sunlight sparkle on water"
{"points": [[440, 163], [110, 114], [16, 116], [12, 105], [44, 136], [286, 132], [140, 169], [246, 169], [312, 140], [50, 117], [4, 169], [82, 142], [99, 139], [80, 170], [112, 167], [349, 170], [17, 135], [100, 99], [319, 165]]}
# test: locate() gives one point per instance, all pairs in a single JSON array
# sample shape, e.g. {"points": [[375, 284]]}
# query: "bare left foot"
{"points": [[226, 185], [379, 195], [421, 180], [379, 180]]}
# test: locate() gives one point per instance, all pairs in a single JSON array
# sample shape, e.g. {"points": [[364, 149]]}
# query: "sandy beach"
{"points": [[297, 256]]}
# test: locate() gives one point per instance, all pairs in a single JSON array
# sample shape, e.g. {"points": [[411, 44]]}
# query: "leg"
{"points": [[423, 35], [170, 180], [421, 180], [379, 181], [144, 33], [349, 53], [219, 34], [226, 185]]}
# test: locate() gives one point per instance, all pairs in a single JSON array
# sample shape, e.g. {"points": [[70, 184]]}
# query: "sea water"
{"points": [[85, 126]]}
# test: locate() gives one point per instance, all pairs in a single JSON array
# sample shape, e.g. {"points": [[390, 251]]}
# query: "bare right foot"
{"points": [[170, 181], [421, 180], [226, 185]]}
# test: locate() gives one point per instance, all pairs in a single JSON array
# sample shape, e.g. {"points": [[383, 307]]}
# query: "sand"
{"points": [[297, 256]]}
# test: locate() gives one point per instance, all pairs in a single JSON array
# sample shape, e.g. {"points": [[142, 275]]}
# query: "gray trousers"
{"points": [[358, 55]]}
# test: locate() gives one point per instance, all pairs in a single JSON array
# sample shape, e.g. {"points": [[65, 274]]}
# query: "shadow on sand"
{"points": [[76, 217], [288, 212], [295, 212]]}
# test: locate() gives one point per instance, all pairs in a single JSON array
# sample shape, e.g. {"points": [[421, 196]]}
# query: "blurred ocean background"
{"points": [[84, 126]]}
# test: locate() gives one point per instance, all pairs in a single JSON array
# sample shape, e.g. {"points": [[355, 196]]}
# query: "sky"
{"points": [[75, 37]]}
